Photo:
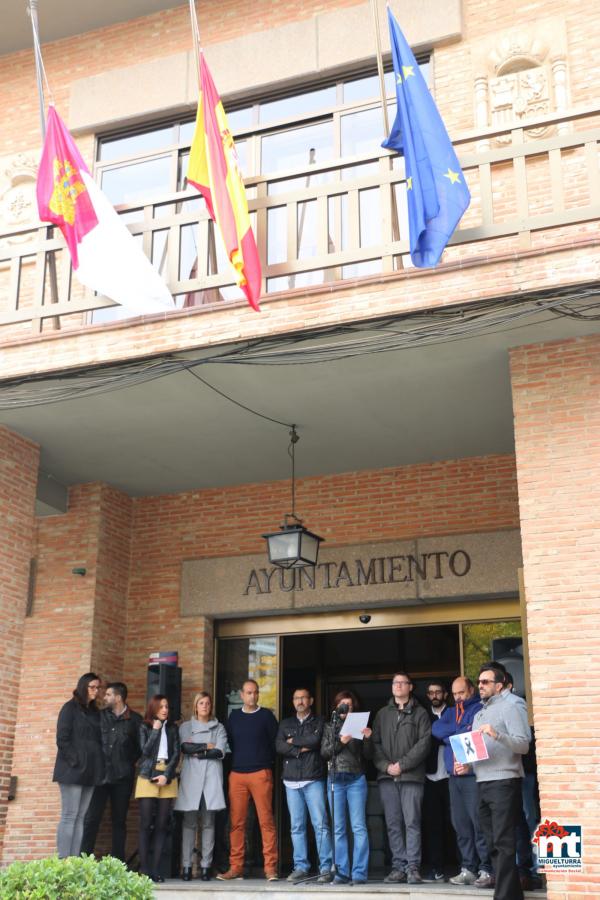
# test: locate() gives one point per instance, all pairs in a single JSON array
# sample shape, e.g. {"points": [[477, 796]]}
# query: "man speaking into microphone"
{"points": [[401, 740]]}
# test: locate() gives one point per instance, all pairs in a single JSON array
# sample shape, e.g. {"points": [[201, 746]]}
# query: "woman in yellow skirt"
{"points": [[156, 786]]}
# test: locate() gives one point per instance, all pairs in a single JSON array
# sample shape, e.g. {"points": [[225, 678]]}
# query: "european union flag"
{"points": [[436, 189]]}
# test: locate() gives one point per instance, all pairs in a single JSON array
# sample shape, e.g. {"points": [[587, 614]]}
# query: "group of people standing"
{"points": [[323, 772], [104, 753]]}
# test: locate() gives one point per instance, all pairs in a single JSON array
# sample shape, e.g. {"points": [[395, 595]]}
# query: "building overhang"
{"points": [[370, 396]]}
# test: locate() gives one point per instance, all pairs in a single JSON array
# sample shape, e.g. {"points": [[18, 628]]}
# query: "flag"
{"points": [[468, 747], [213, 168], [437, 193], [104, 253]]}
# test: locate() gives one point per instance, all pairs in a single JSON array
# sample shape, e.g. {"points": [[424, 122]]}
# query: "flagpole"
{"points": [[40, 74], [386, 122], [375, 14], [33, 13], [196, 38]]}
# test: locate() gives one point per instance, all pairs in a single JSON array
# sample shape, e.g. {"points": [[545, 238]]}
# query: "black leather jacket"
{"points": [[297, 766], [149, 744], [349, 758], [120, 743]]}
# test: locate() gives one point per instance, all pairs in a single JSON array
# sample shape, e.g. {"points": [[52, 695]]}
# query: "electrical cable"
{"points": [[404, 331], [237, 402]]}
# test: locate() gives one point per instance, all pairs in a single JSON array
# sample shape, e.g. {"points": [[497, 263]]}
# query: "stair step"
{"points": [[250, 888]]}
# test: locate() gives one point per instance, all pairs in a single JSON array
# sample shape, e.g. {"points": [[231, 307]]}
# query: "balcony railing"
{"points": [[328, 222]]}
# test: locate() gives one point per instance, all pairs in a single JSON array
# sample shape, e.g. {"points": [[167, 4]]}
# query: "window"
{"points": [[274, 136]]}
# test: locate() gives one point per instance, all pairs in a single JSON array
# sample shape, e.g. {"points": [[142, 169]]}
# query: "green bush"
{"points": [[75, 878]]}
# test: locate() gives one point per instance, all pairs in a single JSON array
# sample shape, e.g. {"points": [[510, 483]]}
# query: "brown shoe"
{"points": [[271, 876], [229, 875]]}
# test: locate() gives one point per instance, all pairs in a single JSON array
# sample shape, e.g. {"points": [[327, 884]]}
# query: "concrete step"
{"points": [[252, 888]]}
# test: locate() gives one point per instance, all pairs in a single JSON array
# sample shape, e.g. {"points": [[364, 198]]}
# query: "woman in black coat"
{"points": [[79, 762], [156, 786]]}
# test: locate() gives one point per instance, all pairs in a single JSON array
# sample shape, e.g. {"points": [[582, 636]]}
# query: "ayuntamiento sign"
{"points": [[398, 572]]}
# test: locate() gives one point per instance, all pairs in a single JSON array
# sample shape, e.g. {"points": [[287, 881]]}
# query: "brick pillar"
{"points": [[556, 398], [19, 460], [77, 624]]}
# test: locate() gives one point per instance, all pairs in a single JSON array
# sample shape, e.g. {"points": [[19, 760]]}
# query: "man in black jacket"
{"points": [[299, 741], [120, 744], [401, 740], [437, 829]]}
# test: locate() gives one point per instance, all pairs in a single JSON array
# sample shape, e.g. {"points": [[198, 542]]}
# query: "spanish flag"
{"points": [[213, 169]]}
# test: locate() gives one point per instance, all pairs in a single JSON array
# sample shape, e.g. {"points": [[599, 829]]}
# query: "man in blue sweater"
{"points": [[251, 731], [476, 867]]}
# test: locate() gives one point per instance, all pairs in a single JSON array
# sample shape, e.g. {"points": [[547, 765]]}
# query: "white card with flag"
{"points": [[469, 747]]}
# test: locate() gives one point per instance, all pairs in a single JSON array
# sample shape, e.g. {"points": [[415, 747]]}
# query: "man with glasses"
{"points": [[437, 831], [507, 735], [299, 742], [401, 740]]}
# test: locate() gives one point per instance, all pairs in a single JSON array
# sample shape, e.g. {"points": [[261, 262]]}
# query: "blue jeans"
{"points": [[350, 798], [311, 799]]}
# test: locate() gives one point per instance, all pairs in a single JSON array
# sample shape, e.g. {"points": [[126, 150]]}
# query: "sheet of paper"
{"points": [[354, 724]]}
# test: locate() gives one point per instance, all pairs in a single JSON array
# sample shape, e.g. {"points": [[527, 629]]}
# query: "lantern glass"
{"points": [[293, 547]]}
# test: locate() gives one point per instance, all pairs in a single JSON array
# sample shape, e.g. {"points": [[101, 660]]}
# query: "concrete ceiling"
{"points": [[64, 18], [425, 404]]}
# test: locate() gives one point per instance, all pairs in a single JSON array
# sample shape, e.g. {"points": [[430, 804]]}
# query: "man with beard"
{"points": [[475, 864], [437, 832], [120, 727], [299, 742], [503, 722]]}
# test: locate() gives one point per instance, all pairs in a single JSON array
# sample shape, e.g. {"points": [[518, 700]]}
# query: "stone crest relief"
{"points": [[18, 205], [521, 76]]}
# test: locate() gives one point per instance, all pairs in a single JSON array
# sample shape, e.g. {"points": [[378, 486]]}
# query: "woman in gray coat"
{"points": [[204, 745]]}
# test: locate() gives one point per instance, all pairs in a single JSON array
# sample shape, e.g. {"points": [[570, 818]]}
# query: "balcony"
{"points": [[534, 187]]}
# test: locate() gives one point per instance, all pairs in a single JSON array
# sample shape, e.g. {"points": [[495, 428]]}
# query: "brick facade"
{"points": [[556, 391], [18, 481], [127, 603], [134, 549], [77, 625]]}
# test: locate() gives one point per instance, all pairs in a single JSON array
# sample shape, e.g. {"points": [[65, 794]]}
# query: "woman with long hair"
{"points": [[156, 786], [203, 745], [346, 764], [79, 762]]}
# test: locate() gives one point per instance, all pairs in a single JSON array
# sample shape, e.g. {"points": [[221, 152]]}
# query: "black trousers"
{"points": [[119, 794], [500, 803], [438, 842]]}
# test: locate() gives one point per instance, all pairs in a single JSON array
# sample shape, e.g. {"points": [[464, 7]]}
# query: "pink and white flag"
{"points": [[104, 253], [468, 747]]}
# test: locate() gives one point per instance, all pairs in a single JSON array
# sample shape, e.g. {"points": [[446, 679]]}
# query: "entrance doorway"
{"points": [[284, 653], [365, 662]]}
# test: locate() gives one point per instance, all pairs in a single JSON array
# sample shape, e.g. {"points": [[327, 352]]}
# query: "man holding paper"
{"points": [[455, 724], [503, 725], [401, 740]]}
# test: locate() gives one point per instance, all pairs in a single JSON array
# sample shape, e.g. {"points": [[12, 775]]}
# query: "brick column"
{"points": [[77, 624], [18, 479], [556, 398]]}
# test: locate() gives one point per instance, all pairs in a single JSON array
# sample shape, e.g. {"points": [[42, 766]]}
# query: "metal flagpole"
{"points": [[41, 78], [386, 122], [196, 36], [33, 13], [375, 13]]}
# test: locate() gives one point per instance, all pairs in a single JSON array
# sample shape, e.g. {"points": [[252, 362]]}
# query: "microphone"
{"points": [[342, 709]]}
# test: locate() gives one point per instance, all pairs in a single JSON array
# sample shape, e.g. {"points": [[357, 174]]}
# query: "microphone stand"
{"points": [[336, 724]]}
